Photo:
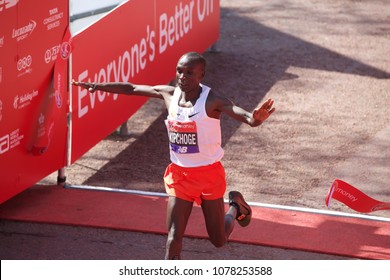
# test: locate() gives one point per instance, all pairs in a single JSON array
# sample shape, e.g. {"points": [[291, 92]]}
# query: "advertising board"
{"points": [[33, 97]]}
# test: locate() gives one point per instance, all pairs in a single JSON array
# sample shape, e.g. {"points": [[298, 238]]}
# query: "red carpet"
{"points": [[323, 233]]}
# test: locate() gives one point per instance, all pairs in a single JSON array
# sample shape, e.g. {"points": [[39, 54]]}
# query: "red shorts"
{"points": [[195, 183]]}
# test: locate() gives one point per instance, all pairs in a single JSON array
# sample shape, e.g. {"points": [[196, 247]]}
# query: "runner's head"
{"points": [[195, 57], [190, 70]]}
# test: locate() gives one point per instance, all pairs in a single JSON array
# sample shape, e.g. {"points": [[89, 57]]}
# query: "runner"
{"points": [[195, 173]]}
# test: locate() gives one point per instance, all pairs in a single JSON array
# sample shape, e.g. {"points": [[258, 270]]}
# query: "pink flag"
{"points": [[354, 198]]}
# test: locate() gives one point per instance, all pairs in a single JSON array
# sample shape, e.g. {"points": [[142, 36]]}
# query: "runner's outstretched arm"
{"points": [[128, 88], [256, 118]]}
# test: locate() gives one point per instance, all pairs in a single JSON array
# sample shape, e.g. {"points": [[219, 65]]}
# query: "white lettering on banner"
{"points": [[83, 103], [54, 19], [6, 4], [23, 32], [10, 141], [48, 20], [24, 100], [15, 138], [28, 96], [126, 66], [126, 60], [81, 94], [2, 41], [24, 62], [151, 35], [206, 10], [102, 78], [4, 144], [53, 11], [52, 53], [57, 93], [24, 65], [174, 27], [346, 194], [41, 127]]}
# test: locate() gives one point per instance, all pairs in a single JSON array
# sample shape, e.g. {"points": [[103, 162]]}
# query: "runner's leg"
{"points": [[219, 225], [178, 212]]}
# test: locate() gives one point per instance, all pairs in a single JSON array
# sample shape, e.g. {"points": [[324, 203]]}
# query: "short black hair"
{"points": [[196, 57]]}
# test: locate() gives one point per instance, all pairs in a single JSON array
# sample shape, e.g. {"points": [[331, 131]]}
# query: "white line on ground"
{"points": [[259, 204]]}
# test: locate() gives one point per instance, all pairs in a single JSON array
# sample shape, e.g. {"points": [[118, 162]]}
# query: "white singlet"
{"points": [[194, 137]]}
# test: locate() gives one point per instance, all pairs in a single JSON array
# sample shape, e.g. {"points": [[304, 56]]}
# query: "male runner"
{"points": [[195, 173]]}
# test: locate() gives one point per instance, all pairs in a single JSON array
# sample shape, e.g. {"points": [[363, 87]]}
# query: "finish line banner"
{"points": [[33, 92], [139, 42], [354, 198]]}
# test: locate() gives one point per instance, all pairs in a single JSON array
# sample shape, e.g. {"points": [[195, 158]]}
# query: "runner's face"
{"points": [[189, 74]]}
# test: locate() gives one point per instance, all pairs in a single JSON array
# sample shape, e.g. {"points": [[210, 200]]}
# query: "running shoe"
{"points": [[244, 211]]}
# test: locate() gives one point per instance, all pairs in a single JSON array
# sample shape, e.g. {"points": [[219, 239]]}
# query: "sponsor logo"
{"points": [[53, 11], [66, 49], [24, 62], [24, 100], [24, 65], [41, 119], [57, 93], [192, 115], [10, 141], [183, 137], [4, 144], [41, 129], [1, 41], [58, 99], [51, 54], [63, 50], [24, 31], [54, 19], [346, 194], [6, 4]]}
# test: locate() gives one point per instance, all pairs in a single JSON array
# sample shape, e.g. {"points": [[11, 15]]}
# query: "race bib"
{"points": [[183, 137]]}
